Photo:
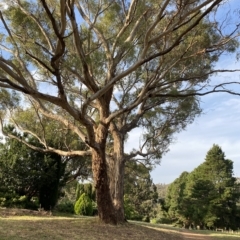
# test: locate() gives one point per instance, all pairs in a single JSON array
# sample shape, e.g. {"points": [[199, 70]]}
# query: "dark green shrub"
{"points": [[65, 207], [128, 209], [95, 209], [162, 220], [84, 206], [12, 200], [146, 219]]}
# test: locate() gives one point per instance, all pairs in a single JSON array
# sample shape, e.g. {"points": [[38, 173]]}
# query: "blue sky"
{"points": [[218, 124]]}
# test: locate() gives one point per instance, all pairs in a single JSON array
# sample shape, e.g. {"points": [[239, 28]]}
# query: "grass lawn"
{"points": [[15, 227], [207, 234], [26, 227]]}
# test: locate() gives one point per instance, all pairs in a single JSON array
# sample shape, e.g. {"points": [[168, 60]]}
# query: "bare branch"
{"points": [[100, 35], [78, 43]]}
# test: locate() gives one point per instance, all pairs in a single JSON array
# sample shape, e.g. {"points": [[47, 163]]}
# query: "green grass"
{"points": [[14, 226], [212, 234], [58, 228]]}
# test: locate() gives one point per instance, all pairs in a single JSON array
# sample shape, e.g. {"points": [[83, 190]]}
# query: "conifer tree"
{"points": [[222, 205], [207, 196]]}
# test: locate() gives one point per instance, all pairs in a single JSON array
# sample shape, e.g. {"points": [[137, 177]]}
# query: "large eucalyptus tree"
{"points": [[101, 68]]}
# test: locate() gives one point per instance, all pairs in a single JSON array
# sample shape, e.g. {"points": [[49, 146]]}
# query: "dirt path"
{"points": [[187, 235], [195, 236]]}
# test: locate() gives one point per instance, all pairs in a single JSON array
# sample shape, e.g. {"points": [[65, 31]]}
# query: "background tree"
{"points": [[199, 192], [174, 202], [86, 188], [140, 194], [71, 193], [162, 190], [101, 69], [83, 205], [67, 198], [219, 171], [208, 196], [27, 172]]}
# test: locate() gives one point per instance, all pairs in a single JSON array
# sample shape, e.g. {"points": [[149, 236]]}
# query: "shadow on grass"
{"points": [[60, 228], [67, 226]]}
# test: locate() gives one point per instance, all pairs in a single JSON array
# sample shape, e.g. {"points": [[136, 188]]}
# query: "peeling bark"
{"points": [[108, 176], [105, 207], [116, 176], [108, 179]]}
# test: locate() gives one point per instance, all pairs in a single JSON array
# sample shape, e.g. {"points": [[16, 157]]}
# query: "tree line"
{"points": [[207, 197]]}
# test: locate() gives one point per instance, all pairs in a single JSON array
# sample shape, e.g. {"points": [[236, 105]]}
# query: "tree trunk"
{"points": [[106, 210], [116, 176], [108, 178]]}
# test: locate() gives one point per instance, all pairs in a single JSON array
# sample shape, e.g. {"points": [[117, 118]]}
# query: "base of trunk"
{"points": [[110, 215], [113, 220]]}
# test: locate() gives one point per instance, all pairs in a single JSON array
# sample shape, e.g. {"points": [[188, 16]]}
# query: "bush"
{"points": [[65, 207], [162, 220], [84, 206], [12, 200], [95, 209]]}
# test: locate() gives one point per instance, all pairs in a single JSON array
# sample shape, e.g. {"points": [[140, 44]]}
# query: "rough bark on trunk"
{"points": [[106, 210], [108, 178], [116, 176]]}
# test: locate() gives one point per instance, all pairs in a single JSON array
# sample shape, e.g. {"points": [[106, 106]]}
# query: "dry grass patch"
{"points": [[14, 228], [23, 224], [18, 224], [192, 234]]}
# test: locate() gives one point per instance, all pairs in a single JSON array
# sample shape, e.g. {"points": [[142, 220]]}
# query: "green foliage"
{"points": [[223, 198], [71, 193], [162, 190], [65, 207], [13, 200], [84, 206], [129, 208], [8, 99], [174, 199], [24, 171], [207, 196], [140, 194], [51, 182], [68, 192], [86, 188]]}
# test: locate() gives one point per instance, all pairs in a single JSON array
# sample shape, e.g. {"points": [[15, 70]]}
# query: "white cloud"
{"points": [[133, 140], [220, 125], [3, 5]]}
